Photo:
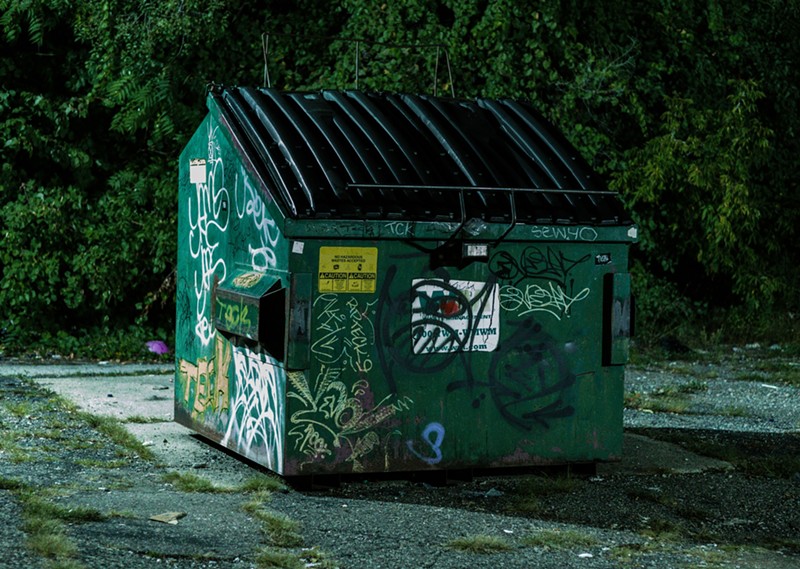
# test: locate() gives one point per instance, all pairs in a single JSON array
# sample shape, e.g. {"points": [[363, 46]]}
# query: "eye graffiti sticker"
{"points": [[454, 316]]}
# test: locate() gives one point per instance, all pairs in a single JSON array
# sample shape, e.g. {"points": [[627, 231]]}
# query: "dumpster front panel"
{"points": [[230, 376], [498, 363]]}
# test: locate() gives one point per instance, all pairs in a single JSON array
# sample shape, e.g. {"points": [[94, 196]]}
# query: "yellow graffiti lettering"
{"points": [[247, 280], [223, 355], [233, 314], [210, 380]]}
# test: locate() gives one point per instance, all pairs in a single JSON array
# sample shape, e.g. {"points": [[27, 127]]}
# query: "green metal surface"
{"points": [[617, 318], [350, 346]]}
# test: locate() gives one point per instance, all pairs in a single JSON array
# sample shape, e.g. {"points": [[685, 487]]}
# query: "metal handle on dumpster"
{"points": [[462, 204], [513, 203]]}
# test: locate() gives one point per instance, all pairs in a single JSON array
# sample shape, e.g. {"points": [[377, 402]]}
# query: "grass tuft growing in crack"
{"points": [[480, 543], [114, 430], [11, 484], [661, 401], [781, 372], [142, 420], [20, 409], [261, 484], [629, 552], [270, 557], [36, 506], [44, 524], [667, 399], [281, 530], [190, 482], [11, 449], [276, 558], [733, 411], [60, 414], [559, 539]]}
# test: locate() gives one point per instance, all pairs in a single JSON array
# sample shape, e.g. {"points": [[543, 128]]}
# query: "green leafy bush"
{"points": [[689, 109]]}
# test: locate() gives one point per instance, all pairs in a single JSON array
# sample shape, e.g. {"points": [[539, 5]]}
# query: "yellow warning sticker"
{"points": [[348, 269]]}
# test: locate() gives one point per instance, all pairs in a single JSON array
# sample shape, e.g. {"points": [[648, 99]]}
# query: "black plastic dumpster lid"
{"points": [[355, 155]]}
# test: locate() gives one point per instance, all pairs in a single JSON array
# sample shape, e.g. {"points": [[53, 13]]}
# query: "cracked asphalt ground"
{"points": [[662, 506]]}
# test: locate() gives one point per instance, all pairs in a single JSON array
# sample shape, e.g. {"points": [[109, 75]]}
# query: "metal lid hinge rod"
{"points": [[513, 202]]}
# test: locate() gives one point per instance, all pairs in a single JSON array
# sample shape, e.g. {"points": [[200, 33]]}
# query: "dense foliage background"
{"points": [[688, 108]]}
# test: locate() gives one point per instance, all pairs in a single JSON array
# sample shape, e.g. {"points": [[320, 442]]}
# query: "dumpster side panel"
{"points": [[495, 363], [228, 387]]}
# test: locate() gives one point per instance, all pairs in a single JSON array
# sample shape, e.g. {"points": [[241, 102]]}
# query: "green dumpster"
{"points": [[385, 282]]}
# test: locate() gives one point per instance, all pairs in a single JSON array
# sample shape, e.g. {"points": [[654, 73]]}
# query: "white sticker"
{"points": [[633, 232], [297, 247], [454, 316], [477, 250], [197, 171]]}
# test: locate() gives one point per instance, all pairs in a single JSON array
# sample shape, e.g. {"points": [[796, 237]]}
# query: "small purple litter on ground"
{"points": [[157, 347]]}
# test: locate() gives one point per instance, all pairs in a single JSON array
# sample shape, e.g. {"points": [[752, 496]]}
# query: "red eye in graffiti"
{"points": [[449, 307], [444, 306]]}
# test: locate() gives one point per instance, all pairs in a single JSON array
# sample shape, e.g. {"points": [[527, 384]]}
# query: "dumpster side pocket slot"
{"points": [[252, 306], [617, 318]]}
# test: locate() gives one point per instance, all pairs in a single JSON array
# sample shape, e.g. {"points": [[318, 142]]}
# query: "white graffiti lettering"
{"points": [[564, 233], [257, 411], [535, 298], [329, 327], [250, 203], [399, 228], [208, 221]]}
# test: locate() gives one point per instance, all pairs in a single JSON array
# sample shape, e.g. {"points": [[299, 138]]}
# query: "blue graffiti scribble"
{"points": [[438, 431]]}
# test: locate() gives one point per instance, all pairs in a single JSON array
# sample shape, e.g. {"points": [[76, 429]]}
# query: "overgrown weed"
{"points": [[480, 543], [559, 539], [261, 484], [114, 430], [142, 420], [44, 524], [273, 558], [192, 483]]}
